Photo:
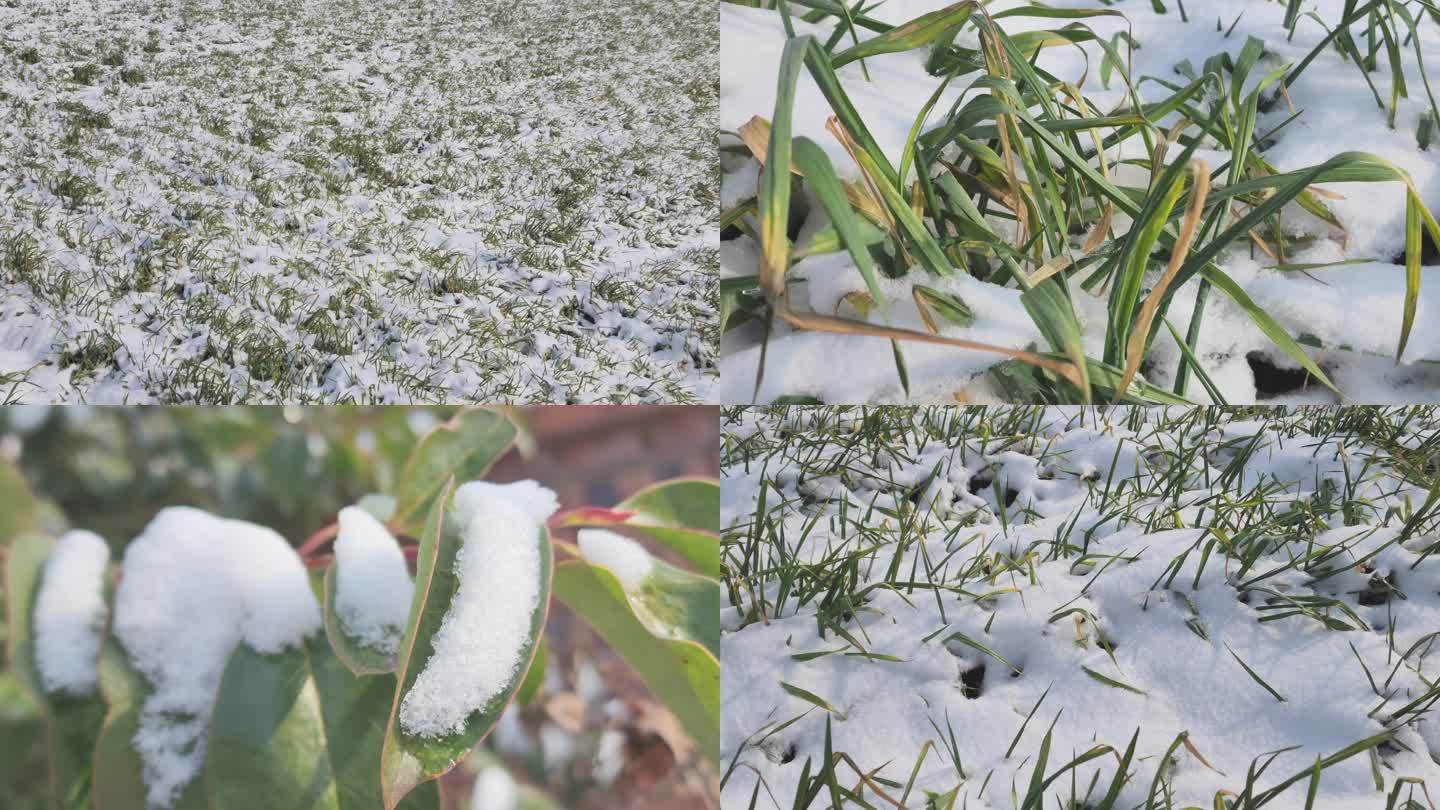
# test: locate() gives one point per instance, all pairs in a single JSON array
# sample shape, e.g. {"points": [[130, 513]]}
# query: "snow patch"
{"points": [[627, 559], [70, 614], [372, 583]]}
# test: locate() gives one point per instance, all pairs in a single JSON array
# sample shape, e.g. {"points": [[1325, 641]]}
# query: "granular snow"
{"points": [[372, 587], [539, 502], [627, 559], [193, 587], [480, 644], [70, 614]]}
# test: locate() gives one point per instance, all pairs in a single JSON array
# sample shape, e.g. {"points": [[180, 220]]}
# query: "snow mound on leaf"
{"points": [[480, 644], [194, 586], [626, 559], [70, 614], [539, 502], [372, 584]]}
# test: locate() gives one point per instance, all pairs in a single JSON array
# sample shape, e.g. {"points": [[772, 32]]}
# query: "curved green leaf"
{"points": [[462, 448], [361, 659], [71, 722], [683, 674], [407, 761], [683, 513], [297, 730]]}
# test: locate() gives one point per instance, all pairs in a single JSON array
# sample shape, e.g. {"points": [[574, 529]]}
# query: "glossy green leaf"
{"points": [[463, 448], [360, 658], [118, 771], [71, 722], [682, 513], [407, 761], [534, 676], [682, 674], [296, 731]]}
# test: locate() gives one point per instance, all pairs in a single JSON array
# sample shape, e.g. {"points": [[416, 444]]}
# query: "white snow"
{"points": [[193, 586], [1354, 311], [70, 613], [628, 560], [372, 583], [494, 790], [491, 202], [1060, 463], [539, 502], [478, 649]]}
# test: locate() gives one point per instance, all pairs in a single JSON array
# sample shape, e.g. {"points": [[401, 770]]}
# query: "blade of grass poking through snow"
{"points": [[478, 585], [1108, 681], [812, 698], [71, 721], [1346, 167], [273, 713], [970, 642], [1053, 314], [825, 186], [462, 448], [1255, 676], [916, 33], [682, 674], [774, 196], [1139, 339], [683, 513]]}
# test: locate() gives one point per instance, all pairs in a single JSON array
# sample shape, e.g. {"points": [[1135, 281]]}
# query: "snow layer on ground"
{"points": [[372, 583], [193, 587], [627, 559], [70, 613], [479, 646], [989, 506], [291, 201], [1353, 311]]}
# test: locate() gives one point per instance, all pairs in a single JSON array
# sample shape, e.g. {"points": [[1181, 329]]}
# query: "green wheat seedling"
{"points": [[1023, 146], [844, 567]]}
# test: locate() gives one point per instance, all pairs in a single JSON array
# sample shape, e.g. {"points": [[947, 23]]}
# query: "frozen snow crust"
{"points": [[283, 201], [1154, 547], [1353, 310], [193, 587], [478, 648]]}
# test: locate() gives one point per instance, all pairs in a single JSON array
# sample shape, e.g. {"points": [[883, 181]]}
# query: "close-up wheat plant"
{"points": [[1081, 201]]}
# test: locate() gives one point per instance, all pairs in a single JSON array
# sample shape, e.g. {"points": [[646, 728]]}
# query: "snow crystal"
{"points": [[372, 586], [478, 648], [625, 558], [609, 756], [194, 586], [494, 790], [539, 502], [70, 613]]}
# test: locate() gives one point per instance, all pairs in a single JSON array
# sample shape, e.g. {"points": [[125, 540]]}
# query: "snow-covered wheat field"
{"points": [[336, 200], [1026, 607]]}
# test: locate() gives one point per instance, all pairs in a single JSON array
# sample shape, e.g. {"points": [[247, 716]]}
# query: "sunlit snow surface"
{"points": [[391, 201], [1353, 310], [823, 471]]}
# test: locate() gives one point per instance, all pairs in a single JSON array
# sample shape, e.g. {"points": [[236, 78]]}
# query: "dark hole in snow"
{"points": [[1271, 379], [1429, 253], [978, 482], [1378, 591], [730, 232], [788, 755], [971, 680], [1010, 496]]}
